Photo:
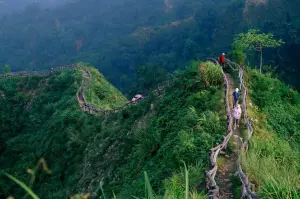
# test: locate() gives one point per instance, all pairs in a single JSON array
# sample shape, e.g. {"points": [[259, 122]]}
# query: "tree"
{"points": [[237, 53], [6, 68], [253, 40]]}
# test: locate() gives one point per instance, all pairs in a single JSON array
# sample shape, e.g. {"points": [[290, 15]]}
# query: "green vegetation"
{"points": [[40, 117], [155, 135], [6, 68], [272, 162], [253, 40], [119, 36], [96, 154], [212, 74], [98, 91]]}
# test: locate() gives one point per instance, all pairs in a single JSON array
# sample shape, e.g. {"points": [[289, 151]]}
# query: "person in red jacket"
{"points": [[222, 59]]}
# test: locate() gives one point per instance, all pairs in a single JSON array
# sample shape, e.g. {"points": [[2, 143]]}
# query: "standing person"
{"points": [[235, 97], [138, 97], [133, 100], [51, 71], [222, 59], [237, 113]]}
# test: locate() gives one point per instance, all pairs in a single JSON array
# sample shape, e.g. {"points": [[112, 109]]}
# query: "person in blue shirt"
{"points": [[235, 97]]}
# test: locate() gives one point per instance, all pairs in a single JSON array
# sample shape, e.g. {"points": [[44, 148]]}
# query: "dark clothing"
{"points": [[236, 96]]}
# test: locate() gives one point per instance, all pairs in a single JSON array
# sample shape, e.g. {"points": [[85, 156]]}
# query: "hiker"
{"points": [[138, 97], [235, 97], [222, 59], [51, 71], [237, 113], [90, 107], [133, 100]]}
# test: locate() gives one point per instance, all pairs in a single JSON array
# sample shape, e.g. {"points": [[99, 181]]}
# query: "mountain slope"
{"points": [[41, 118], [85, 150], [272, 161]]}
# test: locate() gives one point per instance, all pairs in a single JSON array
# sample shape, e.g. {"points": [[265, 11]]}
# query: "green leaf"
{"points": [[148, 186], [23, 185]]}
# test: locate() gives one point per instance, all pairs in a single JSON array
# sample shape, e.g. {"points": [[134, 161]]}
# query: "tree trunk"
{"points": [[261, 60]]}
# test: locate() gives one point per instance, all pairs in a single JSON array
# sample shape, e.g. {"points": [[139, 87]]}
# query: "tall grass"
{"points": [[99, 92], [212, 73], [272, 165], [272, 162]]}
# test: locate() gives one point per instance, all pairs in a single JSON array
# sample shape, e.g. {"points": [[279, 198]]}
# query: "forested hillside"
{"points": [[41, 118], [118, 36], [58, 149], [70, 130]]}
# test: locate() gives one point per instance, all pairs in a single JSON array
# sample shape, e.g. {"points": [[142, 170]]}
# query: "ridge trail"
{"points": [[227, 170]]}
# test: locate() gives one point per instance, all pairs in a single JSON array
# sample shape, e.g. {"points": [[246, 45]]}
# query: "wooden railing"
{"points": [[87, 107], [212, 185], [247, 186], [38, 73]]}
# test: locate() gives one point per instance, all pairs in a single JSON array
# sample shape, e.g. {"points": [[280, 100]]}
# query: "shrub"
{"points": [[212, 74]]}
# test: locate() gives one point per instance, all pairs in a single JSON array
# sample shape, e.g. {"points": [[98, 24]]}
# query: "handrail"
{"points": [[159, 90], [246, 188], [40, 73], [212, 185]]}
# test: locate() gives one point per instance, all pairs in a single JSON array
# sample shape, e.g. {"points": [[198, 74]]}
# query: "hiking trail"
{"points": [[220, 181], [227, 169]]}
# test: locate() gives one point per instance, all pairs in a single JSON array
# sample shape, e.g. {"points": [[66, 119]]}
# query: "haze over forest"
{"points": [[118, 36], [78, 132]]}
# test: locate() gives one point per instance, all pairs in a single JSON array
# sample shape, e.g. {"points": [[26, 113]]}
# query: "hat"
{"points": [[237, 90], [223, 53]]}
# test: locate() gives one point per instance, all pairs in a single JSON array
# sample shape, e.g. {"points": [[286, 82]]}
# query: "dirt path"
{"points": [[228, 162], [79, 95]]}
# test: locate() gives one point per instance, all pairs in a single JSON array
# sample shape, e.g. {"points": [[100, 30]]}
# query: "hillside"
{"points": [[41, 118], [118, 36], [272, 161], [106, 153]]}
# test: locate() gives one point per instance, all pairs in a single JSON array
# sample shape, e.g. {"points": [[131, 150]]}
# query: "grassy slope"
{"points": [[99, 92], [155, 136], [82, 150], [273, 162]]}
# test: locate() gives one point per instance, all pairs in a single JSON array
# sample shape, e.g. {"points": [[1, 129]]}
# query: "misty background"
{"points": [[13, 6], [120, 37]]}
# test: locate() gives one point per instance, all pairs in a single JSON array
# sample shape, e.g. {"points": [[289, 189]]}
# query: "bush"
{"points": [[212, 73]]}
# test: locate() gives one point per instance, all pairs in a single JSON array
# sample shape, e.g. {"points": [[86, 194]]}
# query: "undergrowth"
{"points": [[97, 154], [272, 162], [98, 91]]}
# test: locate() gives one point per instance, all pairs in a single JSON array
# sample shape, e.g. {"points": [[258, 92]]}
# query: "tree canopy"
{"points": [[254, 40]]}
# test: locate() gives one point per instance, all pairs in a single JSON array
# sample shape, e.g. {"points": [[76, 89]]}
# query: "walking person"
{"points": [[235, 97], [222, 59], [237, 113]]}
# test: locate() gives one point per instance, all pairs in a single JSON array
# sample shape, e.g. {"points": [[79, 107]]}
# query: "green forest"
{"points": [[119, 36], [74, 132]]}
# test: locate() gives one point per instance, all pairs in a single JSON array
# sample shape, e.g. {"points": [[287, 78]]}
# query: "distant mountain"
{"points": [[11, 6], [118, 36]]}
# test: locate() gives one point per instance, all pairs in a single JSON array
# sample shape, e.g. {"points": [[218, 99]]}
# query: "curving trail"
{"points": [[227, 170], [220, 184], [88, 108], [213, 188]]}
